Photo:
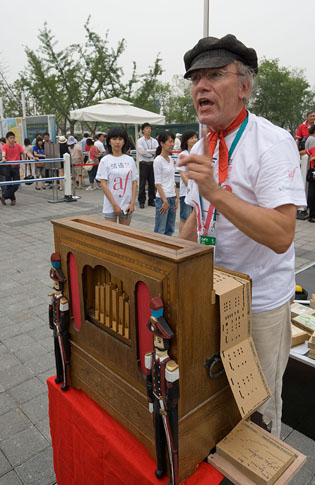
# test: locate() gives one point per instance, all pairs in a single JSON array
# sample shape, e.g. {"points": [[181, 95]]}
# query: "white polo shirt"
{"points": [[164, 174]]}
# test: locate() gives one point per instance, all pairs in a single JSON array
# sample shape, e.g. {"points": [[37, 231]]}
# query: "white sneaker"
{"points": [[90, 188]]}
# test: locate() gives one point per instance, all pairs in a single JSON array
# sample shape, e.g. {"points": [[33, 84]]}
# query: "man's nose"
{"points": [[203, 83]]}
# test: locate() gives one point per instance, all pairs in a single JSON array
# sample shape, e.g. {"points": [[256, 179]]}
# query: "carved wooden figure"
{"points": [[162, 378], [59, 323]]}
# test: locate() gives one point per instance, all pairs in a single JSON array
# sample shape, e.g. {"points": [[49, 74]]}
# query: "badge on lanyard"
{"points": [[207, 240]]}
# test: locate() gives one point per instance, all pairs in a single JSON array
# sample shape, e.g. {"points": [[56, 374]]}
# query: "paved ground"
{"points": [[26, 345]]}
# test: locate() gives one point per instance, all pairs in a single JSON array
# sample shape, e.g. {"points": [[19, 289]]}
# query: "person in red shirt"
{"points": [[11, 151], [302, 131], [310, 177]]}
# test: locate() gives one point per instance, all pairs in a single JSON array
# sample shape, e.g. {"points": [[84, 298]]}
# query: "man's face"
{"points": [[147, 131], [102, 138], [46, 138], [218, 101], [11, 140], [311, 118]]}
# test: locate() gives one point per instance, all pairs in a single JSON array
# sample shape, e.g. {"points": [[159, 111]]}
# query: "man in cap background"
{"points": [[146, 146], [177, 141], [245, 184]]}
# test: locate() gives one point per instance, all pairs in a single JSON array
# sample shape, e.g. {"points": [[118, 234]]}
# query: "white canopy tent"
{"points": [[116, 110]]}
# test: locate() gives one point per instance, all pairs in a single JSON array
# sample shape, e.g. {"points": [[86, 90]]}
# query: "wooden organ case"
{"points": [[111, 273]]}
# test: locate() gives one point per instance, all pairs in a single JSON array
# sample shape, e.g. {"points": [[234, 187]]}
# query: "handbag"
{"points": [[89, 165], [29, 176]]}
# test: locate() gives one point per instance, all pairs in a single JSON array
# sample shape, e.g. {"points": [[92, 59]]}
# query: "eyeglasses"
{"points": [[214, 77]]}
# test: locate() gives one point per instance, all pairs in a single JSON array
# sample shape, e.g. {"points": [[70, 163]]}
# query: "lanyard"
{"points": [[212, 214], [148, 145]]}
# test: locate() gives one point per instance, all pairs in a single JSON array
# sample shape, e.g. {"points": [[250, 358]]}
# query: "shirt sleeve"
{"points": [[103, 170], [134, 174], [183, 168], [279, 180], [141, 149], [299, 135], [311, 152], [157, 168]]}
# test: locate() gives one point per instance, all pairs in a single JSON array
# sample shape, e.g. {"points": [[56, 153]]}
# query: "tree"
{"points": [[10, 93], [179, 107], [282, 95], [79, 75]]}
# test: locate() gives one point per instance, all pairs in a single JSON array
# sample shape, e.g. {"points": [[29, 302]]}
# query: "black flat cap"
{"points": [[212, 52]]}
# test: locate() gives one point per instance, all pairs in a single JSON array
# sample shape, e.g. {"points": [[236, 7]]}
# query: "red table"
{"points": [[91, 448]]}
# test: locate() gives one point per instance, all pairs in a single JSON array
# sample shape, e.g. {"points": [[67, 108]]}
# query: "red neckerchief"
{"points": [[223, 150]]}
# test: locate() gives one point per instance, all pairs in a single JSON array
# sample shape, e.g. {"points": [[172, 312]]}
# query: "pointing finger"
{"points": [[205, 142]]}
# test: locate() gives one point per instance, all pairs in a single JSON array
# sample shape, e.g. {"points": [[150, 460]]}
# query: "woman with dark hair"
{"points": [[118, 175], [166, 194], [39, 154], [189, 138]]}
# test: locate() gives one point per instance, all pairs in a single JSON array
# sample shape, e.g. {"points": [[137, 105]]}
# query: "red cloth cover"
{"points": [[91, 448]]}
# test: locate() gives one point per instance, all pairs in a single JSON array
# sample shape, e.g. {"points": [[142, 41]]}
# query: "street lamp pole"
{"points": [[205, 34], [206, 18]]}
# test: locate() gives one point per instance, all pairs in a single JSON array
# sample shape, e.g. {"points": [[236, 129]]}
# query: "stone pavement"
{"points": [[26, 345]]}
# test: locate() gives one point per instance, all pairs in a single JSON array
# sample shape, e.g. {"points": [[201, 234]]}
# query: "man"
{"points": [[100, 145], [11, 151], [177, 141], [83, 141], [38, 135], [247, 175], [146, 146], [51, 151], [302, 133]]}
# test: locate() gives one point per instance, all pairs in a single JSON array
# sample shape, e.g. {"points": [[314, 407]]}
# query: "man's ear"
{"points": [[244, 88]]}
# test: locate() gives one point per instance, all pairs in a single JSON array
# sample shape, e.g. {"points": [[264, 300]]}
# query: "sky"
{"points": [[275, 28]]}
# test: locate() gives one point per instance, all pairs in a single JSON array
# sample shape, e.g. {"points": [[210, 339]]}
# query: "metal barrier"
{"points": [[68, 197]]}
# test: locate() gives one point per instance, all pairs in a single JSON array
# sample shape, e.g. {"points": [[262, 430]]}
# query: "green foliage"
{"points": [[11, 95], [282, 95], [179, 107], [80, 75]]}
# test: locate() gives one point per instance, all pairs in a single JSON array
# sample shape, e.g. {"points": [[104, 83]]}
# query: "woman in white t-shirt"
{"points": [[118, 175], [166, 201], [189, 138]]}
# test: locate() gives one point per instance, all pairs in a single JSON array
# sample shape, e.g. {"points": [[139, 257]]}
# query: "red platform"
{"points": [[91, 448]]}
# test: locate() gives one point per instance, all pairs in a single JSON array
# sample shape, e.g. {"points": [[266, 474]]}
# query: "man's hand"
{"points": [[200, 169]]}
